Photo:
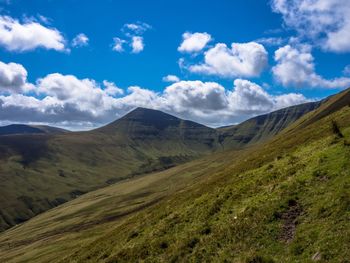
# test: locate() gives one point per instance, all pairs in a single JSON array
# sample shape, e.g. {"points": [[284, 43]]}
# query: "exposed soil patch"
{"points": [[290, 221]]}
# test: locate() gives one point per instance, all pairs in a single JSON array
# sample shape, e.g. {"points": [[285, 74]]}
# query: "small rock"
{"points": [[316, 256]]}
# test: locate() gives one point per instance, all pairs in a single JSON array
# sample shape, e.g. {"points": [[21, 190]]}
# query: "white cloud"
{"points": [[249, 98], [205, 101], [112, 89], [241, 60], [271, 41], [137, 28], [137, 44], [171, 78], [290, 99], [30, 35], [194, 42], [133, 37], [140, 97], [118, 44], [195, 95], [295, 67], [80, 40], [326, 22], [84, 94], [13, 78], [68, 101]]}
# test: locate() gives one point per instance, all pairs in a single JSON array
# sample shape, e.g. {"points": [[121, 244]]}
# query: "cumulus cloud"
{"points": [[140, 97], [137, 44], [195, 95], [194, 42], [13, 78], [326, 22], [295, 67], [82, 96], [112, 89], [249, 98], [16, 36], [241, 60], [171, 78], [290, 99], [80, 40], [205, 101], [68, 101]]}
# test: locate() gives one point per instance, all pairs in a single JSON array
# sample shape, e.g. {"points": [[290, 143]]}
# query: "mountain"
{"points": [[154, 127], [29, 129], [283, 200], [263, 127], [43, 170]]}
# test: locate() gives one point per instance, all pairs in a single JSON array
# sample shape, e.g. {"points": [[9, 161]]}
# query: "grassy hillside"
{"points": [[44, 167], [287, 200], [41, 171]]}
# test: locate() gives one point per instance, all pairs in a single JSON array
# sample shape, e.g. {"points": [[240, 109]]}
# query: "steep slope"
{"points": [[329, 105], [286, 200], [40, 171], [29, 129], [263, 127]]}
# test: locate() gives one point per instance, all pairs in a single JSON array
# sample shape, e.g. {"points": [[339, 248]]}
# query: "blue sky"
{"points": [[64, 78]]}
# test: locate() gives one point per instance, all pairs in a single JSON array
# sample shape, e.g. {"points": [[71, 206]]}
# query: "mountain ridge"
{"points": [[262, 127], [18, 129]]}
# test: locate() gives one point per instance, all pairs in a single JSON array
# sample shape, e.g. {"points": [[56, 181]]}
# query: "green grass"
{"points": [[243, 218], [97, 210], [287, 200]]}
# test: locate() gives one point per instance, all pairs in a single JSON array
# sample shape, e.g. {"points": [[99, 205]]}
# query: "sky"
{"points": [[81, 64]]}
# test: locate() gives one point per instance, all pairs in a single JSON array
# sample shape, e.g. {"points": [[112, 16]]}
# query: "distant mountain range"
{"points": [[29, 129]]}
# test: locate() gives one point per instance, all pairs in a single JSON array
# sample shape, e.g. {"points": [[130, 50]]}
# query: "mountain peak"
{"points": [[143, 109], [148, 113], [143, 122], [144, 117]]}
